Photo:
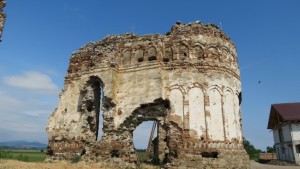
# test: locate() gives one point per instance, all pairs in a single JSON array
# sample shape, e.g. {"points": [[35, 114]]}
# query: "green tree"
{"points": [[251, 150], [270, 150]]}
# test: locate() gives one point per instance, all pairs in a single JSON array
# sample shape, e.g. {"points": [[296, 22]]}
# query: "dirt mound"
{"points": [[280, 163]]}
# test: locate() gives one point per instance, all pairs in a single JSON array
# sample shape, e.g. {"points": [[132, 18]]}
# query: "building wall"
{"points": [[276, 136], [295, 127], [296, 131], [287, 149], [188, 80], [286, 133]]}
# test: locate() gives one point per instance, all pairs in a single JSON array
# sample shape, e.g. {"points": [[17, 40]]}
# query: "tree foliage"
{"points": [[270, 150], [251, 150]]}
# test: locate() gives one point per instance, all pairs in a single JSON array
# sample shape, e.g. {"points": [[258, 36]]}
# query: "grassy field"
{"points": [[13, 164], [34, 159], [23, 155]]}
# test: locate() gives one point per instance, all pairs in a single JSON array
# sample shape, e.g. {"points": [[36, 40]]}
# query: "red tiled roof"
{"points": [[288, 111], [283, 112]]}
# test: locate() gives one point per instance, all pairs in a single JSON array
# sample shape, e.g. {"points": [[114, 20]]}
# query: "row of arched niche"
{"points": [[211, 121], [180, 51]]}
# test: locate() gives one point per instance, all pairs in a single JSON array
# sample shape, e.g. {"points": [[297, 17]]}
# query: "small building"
{"points": [[284, 121]]}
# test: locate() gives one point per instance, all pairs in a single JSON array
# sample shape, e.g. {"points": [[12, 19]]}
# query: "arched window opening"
{"points": [[139, 55], [98, 98], [183, 51], [90, 105], [100, 117], [198, 52], [152, 54], [126, 57], [168, 54], [213, 53]]}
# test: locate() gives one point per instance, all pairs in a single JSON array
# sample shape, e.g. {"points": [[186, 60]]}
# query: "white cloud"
{"points": [[24, 119], [24, 107], [34, 81], [9, 101]]}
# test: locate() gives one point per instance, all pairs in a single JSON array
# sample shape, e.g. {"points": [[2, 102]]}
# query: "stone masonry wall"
{"points": [[187, 80]]}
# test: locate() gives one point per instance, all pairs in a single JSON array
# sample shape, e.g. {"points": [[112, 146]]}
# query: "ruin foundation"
{"points": [[187, 80]]}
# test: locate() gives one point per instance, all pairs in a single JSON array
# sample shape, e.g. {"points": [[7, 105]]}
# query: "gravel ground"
{"points": [[255, 165]]}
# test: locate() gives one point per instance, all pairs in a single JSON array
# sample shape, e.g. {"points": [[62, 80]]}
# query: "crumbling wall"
{"points": [[187, 80], [2, 16]]}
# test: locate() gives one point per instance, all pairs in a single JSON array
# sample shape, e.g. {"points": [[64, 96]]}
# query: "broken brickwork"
{"points": [[187, 80], [2, 16]]}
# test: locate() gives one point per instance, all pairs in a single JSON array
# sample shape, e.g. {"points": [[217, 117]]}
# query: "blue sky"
{"points": [[40, 35]]}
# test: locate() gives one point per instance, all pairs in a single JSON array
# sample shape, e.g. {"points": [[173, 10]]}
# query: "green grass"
{"points": [[23, 155], [142, 156]]}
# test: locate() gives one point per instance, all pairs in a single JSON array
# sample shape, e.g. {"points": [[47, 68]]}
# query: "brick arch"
{"points": [[139, 54], [225, 54], [152, 53], [196, 84], [157, 110], [183, 50], [218, 88], [168, 53], [126, 57], [213, 51], [179, 87], [198, 51]]}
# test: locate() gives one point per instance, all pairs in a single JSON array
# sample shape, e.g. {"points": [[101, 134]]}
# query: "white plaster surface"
{"points": [[176, 99], [196, 110], [229, 114], [296, 132], [215, 121]]}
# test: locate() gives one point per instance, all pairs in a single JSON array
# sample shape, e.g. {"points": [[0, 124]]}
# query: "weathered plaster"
{"points": [[296, 131], [286, 147], [188, 80]]}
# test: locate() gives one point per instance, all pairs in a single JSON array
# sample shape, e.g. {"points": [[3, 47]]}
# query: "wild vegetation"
{"points": [[33, 159], [251, 150], [254, 152], [23, 155]]}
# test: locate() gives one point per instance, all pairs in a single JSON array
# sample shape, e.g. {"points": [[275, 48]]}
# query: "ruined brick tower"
{"points": [[2, 16], [187, 80]]}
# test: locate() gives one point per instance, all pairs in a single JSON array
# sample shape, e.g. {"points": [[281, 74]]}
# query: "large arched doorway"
{"points": [[156, 111], [145, 141]]}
